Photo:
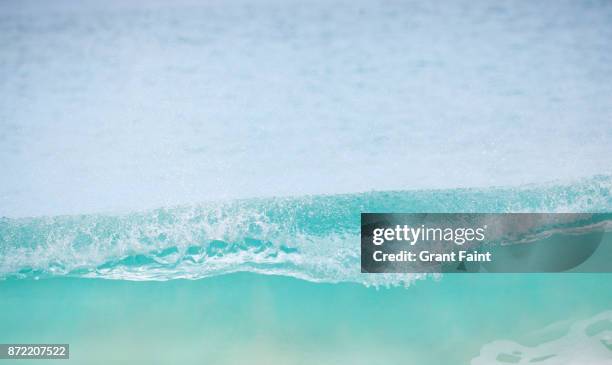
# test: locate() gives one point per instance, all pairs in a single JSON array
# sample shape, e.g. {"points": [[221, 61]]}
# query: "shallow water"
{"points": [[255, 319]]}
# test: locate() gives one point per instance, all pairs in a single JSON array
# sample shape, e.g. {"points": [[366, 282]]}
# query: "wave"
{"points": [[314, 238]]}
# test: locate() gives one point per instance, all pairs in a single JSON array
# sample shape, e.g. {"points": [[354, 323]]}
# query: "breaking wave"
{"points": [[314, 238]]}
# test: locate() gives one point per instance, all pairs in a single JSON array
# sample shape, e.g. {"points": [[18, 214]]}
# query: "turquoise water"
{"points": [[255, 319], [280, 282]]}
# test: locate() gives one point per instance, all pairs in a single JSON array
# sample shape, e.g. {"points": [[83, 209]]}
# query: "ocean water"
{"points": [[181, 183], [280, 282], [249, 318]]}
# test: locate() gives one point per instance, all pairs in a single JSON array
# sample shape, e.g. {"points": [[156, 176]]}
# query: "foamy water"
{"points": [[584, 342], [314, 238]]}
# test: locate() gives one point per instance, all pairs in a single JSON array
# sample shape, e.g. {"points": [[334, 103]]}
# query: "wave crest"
{"points": [[313, 238]]}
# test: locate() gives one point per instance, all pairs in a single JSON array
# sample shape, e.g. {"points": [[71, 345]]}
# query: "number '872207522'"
{"points": [[34, 351]]}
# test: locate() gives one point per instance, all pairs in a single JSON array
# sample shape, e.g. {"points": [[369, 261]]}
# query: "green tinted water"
{"points": [[257, 319]]}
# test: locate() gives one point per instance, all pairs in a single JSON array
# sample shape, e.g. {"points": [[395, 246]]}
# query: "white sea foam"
{"points": [[586, 342]]}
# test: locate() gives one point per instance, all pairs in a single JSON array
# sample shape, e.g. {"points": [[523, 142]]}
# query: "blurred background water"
{"points": [[116, 106]]}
